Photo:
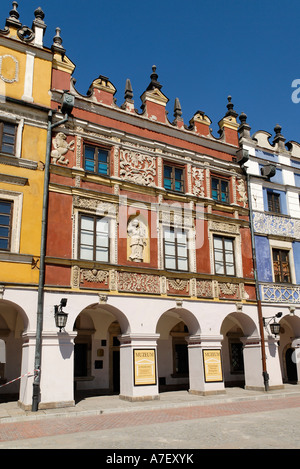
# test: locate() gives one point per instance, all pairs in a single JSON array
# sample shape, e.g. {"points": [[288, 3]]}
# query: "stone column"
{"points": [[205, 365], [138, 367], [253, 363]]}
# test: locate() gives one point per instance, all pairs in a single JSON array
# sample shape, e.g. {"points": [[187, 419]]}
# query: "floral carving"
{"points": [[198, 177], [205, 289], [138, 283], [138, 168]]}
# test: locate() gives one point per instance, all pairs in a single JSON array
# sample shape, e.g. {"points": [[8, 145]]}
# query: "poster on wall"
{"points": [[144, 367], [212, 366]]}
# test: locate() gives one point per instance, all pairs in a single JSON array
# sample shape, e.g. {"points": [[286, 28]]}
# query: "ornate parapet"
{"points": [[274, 293], [276, 225]]}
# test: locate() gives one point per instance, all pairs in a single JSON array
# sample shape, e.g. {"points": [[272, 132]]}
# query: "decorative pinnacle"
{"points": [[230, 106], [154, 83], [243, 118], [128, 90], [177, 109], [57, 42], [14, 14], [39, 14]]}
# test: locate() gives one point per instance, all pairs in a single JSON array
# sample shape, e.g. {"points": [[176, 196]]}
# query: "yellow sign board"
{"points": [[212, 366], [144, 367]]}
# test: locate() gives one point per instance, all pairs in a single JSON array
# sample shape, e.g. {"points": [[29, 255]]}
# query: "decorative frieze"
{"points": [[137, 168], [204, 289], [275, 225], [61, 148], [95, 276], [177, 285]]}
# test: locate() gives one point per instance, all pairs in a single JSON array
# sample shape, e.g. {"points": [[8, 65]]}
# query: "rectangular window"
{"points": [[176, 249], [94, 238], [220, 189], [6, 209], [173, 178], [96, 160], [273, 202], [224, 256], [7, 137], [281, 266]]}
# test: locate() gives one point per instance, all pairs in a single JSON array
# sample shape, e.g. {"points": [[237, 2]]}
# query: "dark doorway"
{"points": [[80, 360], [291, 368]]}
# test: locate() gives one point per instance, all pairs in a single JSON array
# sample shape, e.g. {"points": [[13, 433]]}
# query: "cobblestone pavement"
{"points": [[266, 423]]}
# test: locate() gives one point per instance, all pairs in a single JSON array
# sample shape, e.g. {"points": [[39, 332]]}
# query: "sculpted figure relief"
{"points": [[138, 233], [61, 147]]}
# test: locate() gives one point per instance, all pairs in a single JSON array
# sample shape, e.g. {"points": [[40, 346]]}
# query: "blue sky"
{"points": [[204, 51]]}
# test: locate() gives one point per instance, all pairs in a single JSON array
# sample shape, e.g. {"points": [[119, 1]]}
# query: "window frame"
{"points": [[95, 218], [281, 271], [12, 124], [273, 200], [173, 179], [96, 159], [219, 189], [10, 227], [225, 266], [176, 230]]}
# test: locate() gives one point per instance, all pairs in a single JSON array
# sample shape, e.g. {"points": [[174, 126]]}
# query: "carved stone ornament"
{"points": [[241, 189], [13, 70], [137, 232], [228, 288], [205, 289], [139, 283], [198, 178], [61, 147], [178, 284], [138, 168], [95, 276]]}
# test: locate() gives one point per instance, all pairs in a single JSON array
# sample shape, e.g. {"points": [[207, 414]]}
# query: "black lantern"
{"points": [[274, 326], [60, 316]]}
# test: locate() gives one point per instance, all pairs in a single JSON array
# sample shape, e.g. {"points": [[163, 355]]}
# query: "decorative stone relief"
{"points": [[137, 232], [95, 276], [198, 178], [13, 71], [272, 224], [178, 284], [223, 227], [138, 283], [93, 204], [61, 147], [228, 288], [204, 289], [138, 168], [241, 189]]}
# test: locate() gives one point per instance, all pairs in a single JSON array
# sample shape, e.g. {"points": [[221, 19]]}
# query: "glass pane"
{"points": [[228, 244], [9, 129], [4, 232], [101, 255], [181, 237], [182, 251], [219, 268], [86, 253], [170, 249], [87, 238], [182, 263], [102, 156], [168, 172], [170, 263], [89, 157], [218, 243], [102, 226], [178, 174], [4, 220], [87, 223], [5, 207], [102, 241], [4, 244], [229, 269], [8, 149], [9, 139], [170, 235], [102, 168]]}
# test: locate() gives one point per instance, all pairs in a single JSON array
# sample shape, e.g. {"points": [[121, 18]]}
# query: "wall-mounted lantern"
{"points": [[60, 316], [274, 326]]}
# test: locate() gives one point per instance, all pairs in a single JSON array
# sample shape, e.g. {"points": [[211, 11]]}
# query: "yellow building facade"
{"points": [[25, 78]]}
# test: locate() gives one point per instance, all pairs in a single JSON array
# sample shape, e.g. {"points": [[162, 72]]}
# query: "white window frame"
{"points": [[17, 199]]}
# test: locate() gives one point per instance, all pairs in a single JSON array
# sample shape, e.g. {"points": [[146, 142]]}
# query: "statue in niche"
{"points": [[61, 147], [137, 232]]}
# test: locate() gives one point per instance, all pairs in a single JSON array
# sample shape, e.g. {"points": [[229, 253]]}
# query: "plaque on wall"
{"points": [[144, 367], [212, 366]]}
